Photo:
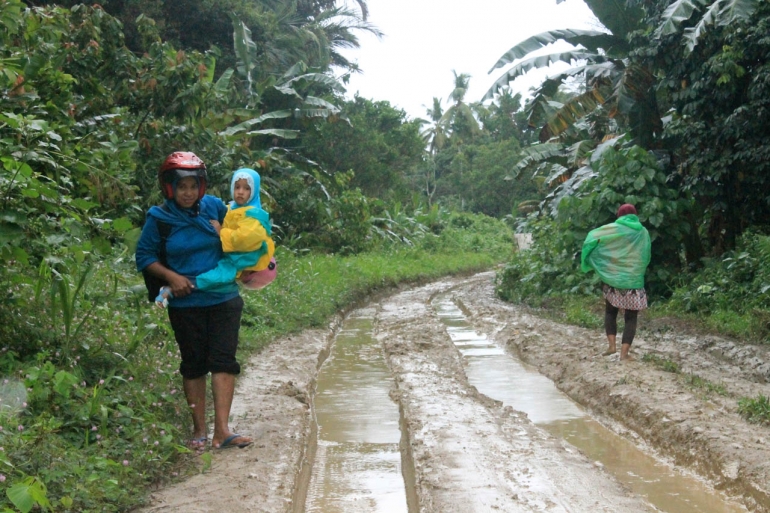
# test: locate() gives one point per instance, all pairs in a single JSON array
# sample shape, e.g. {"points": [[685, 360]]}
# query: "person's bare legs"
{"points": [[223, 387], [195, 392], [612, 349], [624, 349]]}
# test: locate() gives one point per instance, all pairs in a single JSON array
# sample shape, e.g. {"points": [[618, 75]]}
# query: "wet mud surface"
{"points": [[462, 451]]}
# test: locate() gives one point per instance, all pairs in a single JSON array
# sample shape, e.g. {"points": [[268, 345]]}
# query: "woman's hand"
{"points": [[180, 285], [216, 225]]}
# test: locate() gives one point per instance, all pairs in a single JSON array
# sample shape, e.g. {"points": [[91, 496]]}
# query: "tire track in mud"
{"points": [[469, 452]]}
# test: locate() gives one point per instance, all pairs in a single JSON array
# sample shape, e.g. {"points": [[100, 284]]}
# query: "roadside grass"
{"points": [[92, 413], [661, 363], [582, 311], [754, 325], [756, 410], [698, 383]]}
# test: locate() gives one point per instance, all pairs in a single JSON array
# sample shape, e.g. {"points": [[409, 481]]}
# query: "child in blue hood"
{"points": [[245, 234]]}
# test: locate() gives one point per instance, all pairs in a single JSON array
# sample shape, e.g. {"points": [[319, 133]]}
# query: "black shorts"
{"points": [[207, 337]]}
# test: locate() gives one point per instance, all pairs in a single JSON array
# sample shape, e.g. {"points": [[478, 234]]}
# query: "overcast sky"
{"points": [[426, 39]]}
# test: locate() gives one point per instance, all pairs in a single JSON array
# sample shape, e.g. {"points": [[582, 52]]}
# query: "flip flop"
{"points": [[197, 443], [228, 442], [608, 352]]}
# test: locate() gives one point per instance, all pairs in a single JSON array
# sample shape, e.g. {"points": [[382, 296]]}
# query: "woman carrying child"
{"points": [[245, 236], [205, 322]]}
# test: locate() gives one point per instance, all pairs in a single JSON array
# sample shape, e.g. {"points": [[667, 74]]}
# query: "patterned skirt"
{"points": [[625, 299]]}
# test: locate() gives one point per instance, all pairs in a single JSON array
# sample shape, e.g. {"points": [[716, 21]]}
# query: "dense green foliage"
{"points": [[552, 265], [669, 116], [373, 140]]}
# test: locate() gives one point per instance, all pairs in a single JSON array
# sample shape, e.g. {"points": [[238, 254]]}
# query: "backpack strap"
{"points": [[164, 229]]}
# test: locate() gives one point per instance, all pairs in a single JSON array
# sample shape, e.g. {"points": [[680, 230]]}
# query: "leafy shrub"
{"points": [[738, 281]]}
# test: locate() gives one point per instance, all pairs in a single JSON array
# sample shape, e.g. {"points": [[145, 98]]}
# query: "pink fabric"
{"points": [[255, 280]]}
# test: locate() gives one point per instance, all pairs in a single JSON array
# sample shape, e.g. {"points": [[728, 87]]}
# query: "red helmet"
{"points": [[181, 164]]}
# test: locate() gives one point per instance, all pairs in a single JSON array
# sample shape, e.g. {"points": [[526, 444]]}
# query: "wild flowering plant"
{"points": [[87, 420]]}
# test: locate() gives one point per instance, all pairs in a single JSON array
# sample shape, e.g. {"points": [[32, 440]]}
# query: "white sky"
{"points": [[426, 39]]}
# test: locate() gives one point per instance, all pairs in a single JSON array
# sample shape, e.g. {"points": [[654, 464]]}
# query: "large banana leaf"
{"points": [[318, 78], [541, 61], [578, 152], [737, 10], [710, 17], [633, 87], [247, 125], [320, 102], [619, 16], [223, 83], [590, 39], [719, 13], [277, 132], [569, 187], [575, 108], [532, 155], [557, 173], [541, 110], [675, 14], [245, 50]]}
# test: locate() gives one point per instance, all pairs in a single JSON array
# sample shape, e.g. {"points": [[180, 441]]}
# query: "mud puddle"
{"points": [[502, 377], [357, 464]]}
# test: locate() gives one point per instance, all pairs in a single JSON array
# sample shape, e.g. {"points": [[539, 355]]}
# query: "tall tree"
{"points": [[459, 118]]}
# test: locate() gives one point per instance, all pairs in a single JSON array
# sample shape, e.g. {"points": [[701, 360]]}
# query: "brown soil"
{"points": [[468, 452]]}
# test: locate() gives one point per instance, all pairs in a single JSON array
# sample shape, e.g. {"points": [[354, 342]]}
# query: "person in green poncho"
{"points": [[619, 252]]}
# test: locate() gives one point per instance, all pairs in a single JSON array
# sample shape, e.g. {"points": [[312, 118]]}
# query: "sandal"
{"points": [[197, 444], [230, 441]]}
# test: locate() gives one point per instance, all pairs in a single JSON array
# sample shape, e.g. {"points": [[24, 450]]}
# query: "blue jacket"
{"points": [[192, 248]]}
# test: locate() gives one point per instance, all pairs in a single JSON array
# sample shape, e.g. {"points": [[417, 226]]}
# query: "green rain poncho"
{"points": [[619, 252]]}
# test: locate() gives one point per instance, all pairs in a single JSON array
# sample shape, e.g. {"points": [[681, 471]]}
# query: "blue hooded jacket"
{"points": [[192, 248]]}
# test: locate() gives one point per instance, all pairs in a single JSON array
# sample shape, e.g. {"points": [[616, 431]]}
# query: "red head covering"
{"points": [[625, 209]]}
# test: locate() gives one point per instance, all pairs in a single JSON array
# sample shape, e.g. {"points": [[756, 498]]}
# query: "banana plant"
{"points": [[717, 13], [290, 89], [601, 59]]}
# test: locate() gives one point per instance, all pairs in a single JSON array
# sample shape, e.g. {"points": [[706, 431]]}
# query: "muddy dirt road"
{"points": [[462, 451]]}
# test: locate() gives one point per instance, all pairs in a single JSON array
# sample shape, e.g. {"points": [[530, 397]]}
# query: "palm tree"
{"points": [[434, 135], [459, 118]]}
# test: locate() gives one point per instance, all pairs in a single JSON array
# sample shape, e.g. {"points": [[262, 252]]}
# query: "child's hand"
{"points": [[216, 225]]}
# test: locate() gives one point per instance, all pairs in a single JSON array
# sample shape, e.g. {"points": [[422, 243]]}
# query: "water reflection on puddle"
{"points": [[504, 378], [357, 463]]}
